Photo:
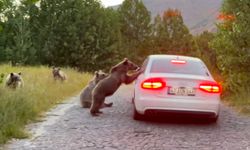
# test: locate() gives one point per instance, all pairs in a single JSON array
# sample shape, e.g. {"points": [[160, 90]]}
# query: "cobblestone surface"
{"points": [[73, 128]]}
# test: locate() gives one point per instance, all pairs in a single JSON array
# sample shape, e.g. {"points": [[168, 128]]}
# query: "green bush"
{"points": [[232, 45]]}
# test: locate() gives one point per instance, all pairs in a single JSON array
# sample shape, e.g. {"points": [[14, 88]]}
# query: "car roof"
{"points": [[188, 58]]}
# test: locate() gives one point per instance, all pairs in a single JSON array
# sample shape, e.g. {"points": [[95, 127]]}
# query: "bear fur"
{"points": [[58, 74], [14, 80], [107, 86], [86, 94]]}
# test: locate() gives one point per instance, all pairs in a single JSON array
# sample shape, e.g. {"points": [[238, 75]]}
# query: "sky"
{"points": [[107, 3]]}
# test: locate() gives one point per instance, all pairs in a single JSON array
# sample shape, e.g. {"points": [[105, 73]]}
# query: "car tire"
{"points": [[136, 115]]}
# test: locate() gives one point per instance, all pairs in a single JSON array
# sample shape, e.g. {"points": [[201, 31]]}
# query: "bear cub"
{"points": [[14, 80], [58, 74], [86, 94]]}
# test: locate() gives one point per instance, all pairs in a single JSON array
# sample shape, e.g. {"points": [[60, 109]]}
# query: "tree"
{"points": [[16, 40], [135, 26], [171, 35], [4, 5], [232, 44], [207, 53], [78, 33]]}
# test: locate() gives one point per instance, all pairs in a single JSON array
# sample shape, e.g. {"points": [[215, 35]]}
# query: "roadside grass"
{"points": [[240, 101], [40, 93]]}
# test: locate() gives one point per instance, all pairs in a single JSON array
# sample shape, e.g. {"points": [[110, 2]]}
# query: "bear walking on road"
{"points": [[58, 74], [86, 94], [107, 86], [14, 80]]}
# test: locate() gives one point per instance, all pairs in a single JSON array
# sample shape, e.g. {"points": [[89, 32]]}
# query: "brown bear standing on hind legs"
{"points": [[107, 86]]}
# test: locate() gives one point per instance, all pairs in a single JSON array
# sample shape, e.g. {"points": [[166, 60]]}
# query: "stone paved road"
{"points": [[70, 127]]}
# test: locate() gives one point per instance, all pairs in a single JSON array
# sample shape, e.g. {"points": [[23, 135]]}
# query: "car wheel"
{"points": [[136, 115]]}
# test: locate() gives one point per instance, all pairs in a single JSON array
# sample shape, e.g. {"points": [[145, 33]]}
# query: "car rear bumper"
{"points": [[185, 106], [156, 112]]}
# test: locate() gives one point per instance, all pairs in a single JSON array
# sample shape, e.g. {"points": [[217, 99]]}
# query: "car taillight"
{"points": [[176, 61], [153, 84], [210, 87]]}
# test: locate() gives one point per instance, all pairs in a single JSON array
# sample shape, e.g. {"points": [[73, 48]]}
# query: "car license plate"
{"points": [[181, 91]]}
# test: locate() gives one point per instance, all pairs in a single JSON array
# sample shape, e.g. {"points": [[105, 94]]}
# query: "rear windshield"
{"points": [[190, 67]]}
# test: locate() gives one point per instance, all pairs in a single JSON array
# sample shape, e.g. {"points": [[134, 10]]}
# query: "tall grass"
{"points": [[239, 100], [40, 92]]}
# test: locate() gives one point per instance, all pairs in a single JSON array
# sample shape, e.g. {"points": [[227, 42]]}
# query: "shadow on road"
{"points": [[178, 119]]}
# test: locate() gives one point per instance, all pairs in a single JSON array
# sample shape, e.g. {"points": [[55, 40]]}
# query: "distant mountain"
{"points": [[198, 15]]}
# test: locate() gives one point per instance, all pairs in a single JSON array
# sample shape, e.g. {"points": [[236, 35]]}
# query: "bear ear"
{"points": [[101, 72], [96, 74], [113, 69], [125, 62], [11, 74], [20, 73]]}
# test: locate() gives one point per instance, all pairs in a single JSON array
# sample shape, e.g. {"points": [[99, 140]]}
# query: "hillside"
{"points": [[198, 15]]}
